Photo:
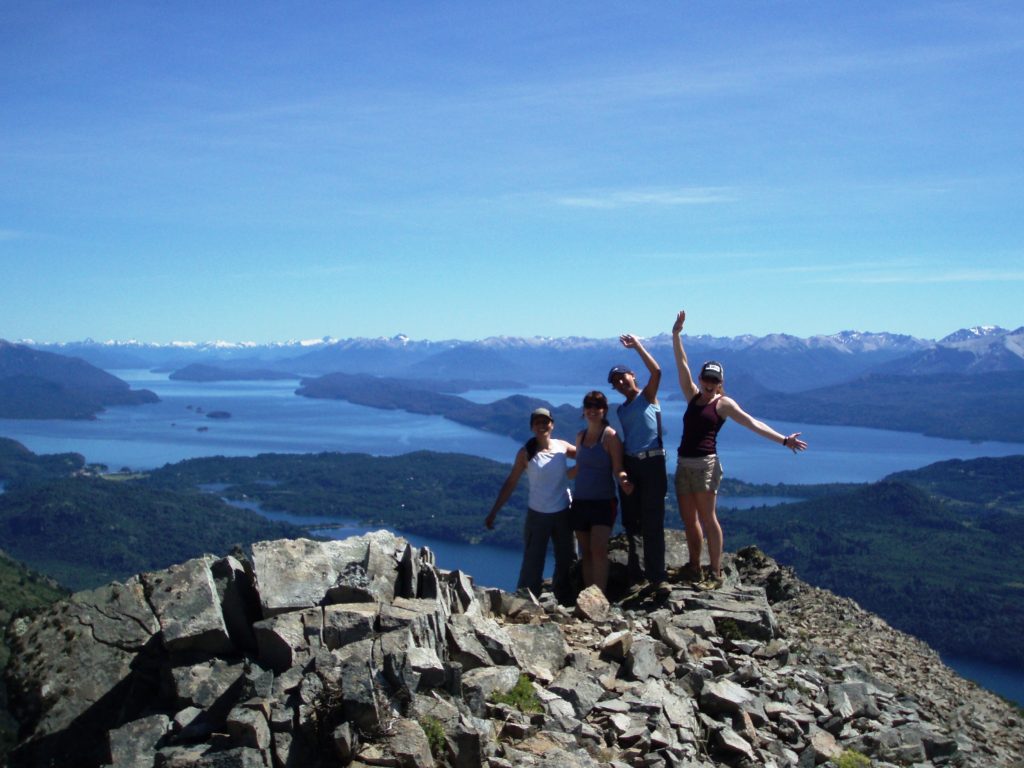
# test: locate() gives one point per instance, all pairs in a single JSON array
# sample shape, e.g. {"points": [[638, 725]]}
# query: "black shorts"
{"points": [[586, 513]]}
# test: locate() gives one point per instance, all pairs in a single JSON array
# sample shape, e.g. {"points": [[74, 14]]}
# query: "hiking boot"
{"points": [[691, 573], [710, 582], [641, 587]]}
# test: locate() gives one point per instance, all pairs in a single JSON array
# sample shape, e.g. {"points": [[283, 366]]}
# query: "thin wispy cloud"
{"points": [[843, 270], [951, 276], [633, 198]]}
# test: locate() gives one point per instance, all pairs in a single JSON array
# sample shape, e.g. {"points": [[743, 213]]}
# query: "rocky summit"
{"points": [[364, 652]]}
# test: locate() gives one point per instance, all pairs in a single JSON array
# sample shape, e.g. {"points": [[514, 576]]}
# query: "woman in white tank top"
{"points": [[543, 459]]}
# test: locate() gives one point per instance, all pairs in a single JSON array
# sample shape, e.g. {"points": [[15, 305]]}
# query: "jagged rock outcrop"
{"points": [[364, 652]]}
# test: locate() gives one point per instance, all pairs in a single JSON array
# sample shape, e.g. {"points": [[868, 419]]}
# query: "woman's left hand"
{"points": [[794, 443]]}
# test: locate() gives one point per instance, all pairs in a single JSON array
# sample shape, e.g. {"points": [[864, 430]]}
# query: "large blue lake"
{"points": [[268, 417]]}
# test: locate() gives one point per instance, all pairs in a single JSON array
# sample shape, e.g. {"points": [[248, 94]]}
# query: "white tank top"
{"points": [[549, 484]]}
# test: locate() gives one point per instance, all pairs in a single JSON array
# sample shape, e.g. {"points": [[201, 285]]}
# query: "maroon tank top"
{"points": [[700, 428]]}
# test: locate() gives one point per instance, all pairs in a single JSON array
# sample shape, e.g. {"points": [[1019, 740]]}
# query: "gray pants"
{"points": [[538, 529]]}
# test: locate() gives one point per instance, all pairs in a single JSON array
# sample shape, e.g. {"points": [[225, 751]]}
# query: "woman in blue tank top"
{"points": [[699, 472], [594, 505]]}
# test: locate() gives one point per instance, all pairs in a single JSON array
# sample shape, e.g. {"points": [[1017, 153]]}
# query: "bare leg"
{"points": [[586, 557], [694, 533], [599, 536], [705, 503]]}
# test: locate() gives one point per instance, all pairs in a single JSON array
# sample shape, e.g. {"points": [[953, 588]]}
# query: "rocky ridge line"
{"points": [[363, 652]]}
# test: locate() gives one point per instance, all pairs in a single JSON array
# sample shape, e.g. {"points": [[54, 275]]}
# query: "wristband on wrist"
{"points": [[785, 441]]}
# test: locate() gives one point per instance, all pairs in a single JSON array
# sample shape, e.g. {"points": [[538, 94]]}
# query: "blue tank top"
{"points": [[639, 419], [594, 479]]}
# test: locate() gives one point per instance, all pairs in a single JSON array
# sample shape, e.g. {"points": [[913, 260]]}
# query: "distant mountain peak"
{"points": [[975, 332]]}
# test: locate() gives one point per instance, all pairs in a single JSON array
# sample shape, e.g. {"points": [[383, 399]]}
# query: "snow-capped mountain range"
{"points": [[774, 361]]}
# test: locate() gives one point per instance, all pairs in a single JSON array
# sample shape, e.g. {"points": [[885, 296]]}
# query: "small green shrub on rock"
{"points": [[435, 736], [853, 759], [522, 696]]}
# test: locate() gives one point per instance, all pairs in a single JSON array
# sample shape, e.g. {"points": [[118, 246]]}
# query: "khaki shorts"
{"points": [[698, 474]]}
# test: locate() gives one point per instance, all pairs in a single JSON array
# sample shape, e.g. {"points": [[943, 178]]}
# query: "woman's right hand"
{"points": [[677, 327]]}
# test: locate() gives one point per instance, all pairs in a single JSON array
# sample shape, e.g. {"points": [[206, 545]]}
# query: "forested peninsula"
{"points": [[987, 406], [508, 416]]}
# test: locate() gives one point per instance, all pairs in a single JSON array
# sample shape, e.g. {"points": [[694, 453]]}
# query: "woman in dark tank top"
{"points": [[598, 468], [699, 471]]}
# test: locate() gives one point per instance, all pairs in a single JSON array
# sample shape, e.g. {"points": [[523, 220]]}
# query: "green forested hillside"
{"points": [[86, 531], [945, 571], [995, 483], [445, 495], [18, 463], [980, 407], [43, 385]]}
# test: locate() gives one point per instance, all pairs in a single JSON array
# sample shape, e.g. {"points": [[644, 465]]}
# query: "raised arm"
{"points": [[629, 341], [730, 408], [508, 487], [686, 383]]}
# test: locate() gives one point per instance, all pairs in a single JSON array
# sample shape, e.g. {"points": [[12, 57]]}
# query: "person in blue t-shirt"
{"points": [[643, 511]]}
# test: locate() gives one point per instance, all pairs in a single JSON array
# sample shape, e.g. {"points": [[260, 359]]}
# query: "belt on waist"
{"points": [[647, 454]]}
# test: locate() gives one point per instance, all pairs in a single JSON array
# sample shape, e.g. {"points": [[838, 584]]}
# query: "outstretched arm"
{"points": [[629, 341], [508, 487], [686, 383], [731, 409]]}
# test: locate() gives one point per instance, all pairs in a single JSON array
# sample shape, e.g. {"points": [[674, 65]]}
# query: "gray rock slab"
{"points": [[642, 660], [248, 728], [283, 640], [204, 684], [239, 602], [464, 646], [539, 648], [732, 744], [134, 743], [118, 614], [291, 574], [187, 605], [578, 688], [409, 744], [616, 645], [725, 697], [427, 666], [747, 609], [347, 623]]}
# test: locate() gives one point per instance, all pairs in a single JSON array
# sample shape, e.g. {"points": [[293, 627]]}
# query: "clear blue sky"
{"points": [[265, 171]]}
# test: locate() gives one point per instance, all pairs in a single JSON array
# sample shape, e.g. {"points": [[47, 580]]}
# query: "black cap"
{"points": [[712, 370], [616, 370]]}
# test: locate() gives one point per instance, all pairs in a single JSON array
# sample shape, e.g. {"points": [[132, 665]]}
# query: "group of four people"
{"points": [[636, 464]]}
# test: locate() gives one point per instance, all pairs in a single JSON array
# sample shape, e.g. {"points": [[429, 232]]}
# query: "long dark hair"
{"points": [[597, 397]]}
